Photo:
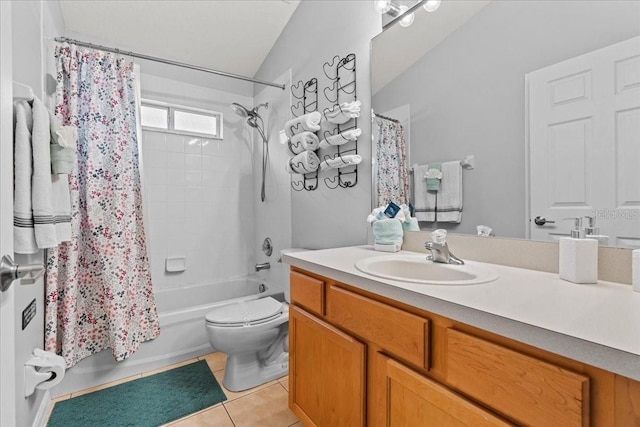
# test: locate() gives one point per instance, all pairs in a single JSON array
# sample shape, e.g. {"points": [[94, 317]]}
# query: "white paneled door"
{"points": [[7, 310], [584, 144]]}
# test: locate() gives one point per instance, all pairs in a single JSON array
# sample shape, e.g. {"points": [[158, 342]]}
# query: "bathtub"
{"points": [[182, 333]]}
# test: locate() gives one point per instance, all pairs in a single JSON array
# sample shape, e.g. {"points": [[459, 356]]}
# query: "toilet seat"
{"points": [[245, 313]]}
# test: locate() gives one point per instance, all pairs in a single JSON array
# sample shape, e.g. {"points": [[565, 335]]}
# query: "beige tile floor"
{"points": [[264, 406]]}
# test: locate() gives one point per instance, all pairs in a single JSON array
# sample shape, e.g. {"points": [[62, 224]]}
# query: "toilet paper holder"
{"points": [[43, 371]]}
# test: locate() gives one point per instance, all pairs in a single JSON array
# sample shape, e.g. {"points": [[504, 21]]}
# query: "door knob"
{"points": [[9, 271], [540, 220]]}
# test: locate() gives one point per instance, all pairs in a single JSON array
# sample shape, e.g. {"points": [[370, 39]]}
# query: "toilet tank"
{"points": [[285, 269]]}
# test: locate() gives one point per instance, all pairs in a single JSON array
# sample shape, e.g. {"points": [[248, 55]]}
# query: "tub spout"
{"points": [[263, 266]]}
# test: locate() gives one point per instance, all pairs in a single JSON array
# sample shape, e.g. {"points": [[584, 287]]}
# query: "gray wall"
{"points": [[467, 94], [318, 31]]}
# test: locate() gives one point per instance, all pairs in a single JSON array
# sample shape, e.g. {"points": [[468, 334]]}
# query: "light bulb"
{"points": [[382, 6], [432, 5], [407, 20]]}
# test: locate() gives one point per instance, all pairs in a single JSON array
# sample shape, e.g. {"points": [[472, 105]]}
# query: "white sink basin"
{"points": [[416, 269]]}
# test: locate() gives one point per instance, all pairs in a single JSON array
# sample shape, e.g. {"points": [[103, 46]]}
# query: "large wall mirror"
{"points": [[545, 95]]}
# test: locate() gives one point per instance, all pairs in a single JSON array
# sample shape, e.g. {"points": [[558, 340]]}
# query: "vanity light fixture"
{"points": [[431, 5], [407, 20], [394, 10], [382, 6]]}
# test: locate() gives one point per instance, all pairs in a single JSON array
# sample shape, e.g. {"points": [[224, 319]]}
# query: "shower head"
{"points": [[240, 110], [243, 111]]}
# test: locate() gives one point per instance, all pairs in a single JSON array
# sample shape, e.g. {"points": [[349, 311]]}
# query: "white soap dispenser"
{"points": [[593, 232], [578, 256]]}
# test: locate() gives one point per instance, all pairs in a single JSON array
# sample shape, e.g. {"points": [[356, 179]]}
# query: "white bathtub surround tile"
{"points": [[175, 160], [211, 147], [176, 193], [193, 146], [174, 176], [154, 141], [175, 212], [193, 193], [193, 162], [155, 159], [157, 211], [156, 193], [155, 176], [193, 177], [210, 163], [210, 179], [211, 194], [175, 143]]}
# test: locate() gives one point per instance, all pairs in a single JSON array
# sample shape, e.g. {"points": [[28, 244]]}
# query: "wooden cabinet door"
{"points": [[413, 400], [326, 373]]}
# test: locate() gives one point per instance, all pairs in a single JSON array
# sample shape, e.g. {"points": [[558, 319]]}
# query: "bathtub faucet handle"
{"points": [[263, 266]]}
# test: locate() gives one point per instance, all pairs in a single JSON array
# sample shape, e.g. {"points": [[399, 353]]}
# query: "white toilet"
{"points": [[254, 335]]}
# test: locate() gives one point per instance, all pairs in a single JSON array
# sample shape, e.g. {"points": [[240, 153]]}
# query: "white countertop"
{"points": [[596, 324]]}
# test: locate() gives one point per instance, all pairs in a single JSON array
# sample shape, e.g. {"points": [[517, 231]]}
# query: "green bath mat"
{"points": [[148, 401]]}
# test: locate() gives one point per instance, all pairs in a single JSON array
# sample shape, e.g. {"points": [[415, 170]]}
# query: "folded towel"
{"points": [[342, 113], [387, 232], [64, 136], [41, 193], [306, 122], [305, 162], [386, 248], [62, 159], [411, 225], [24, 238], [433, 176], [450, 195], [61, 207], [341, 161], [341, 138], [424, 201], [303, 141], [67, 137]]}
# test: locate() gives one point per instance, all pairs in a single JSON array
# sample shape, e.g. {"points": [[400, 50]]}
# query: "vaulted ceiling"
{"points": [[233, 36]]}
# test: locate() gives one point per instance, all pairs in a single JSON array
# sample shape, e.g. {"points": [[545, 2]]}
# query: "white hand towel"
{"points": [[41, 193], [450, 194], [342, 113], [341, 138], [24, 238], [424, 201], [306, 122], [61, 207], [303, 141], [67, 137], [305, 162], [341, 161]]}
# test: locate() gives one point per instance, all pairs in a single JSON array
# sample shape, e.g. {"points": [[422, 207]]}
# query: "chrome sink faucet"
{"points": [[440, 250]]}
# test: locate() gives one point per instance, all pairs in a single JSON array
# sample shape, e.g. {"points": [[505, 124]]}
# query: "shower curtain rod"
{"points": [[166, 61]]}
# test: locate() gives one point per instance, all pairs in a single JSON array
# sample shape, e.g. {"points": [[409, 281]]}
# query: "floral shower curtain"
{"points": [[98, 285], [391, 174]]}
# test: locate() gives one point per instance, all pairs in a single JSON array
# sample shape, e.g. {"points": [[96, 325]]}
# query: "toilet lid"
{"points": [[245, 312]]}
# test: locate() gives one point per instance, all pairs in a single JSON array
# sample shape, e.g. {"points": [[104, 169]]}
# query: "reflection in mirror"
{"points": [[459, 81]]}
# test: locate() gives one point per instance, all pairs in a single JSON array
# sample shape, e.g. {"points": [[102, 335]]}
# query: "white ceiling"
{"points": [[233, 36]]}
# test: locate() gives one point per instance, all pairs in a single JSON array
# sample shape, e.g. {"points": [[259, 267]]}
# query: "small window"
{"points": [[154, 117], [181, 120], [194, 122]]}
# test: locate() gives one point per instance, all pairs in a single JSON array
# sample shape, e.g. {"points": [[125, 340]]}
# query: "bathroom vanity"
{"points": [[371, 351]]}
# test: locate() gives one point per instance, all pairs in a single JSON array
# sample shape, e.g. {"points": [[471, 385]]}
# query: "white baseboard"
{"points": [[43, 410]]}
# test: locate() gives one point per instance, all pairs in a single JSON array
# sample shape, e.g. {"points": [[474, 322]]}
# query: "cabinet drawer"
{"points": [[530, 391], [403, 334], [307, 292], [413, 399]]}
